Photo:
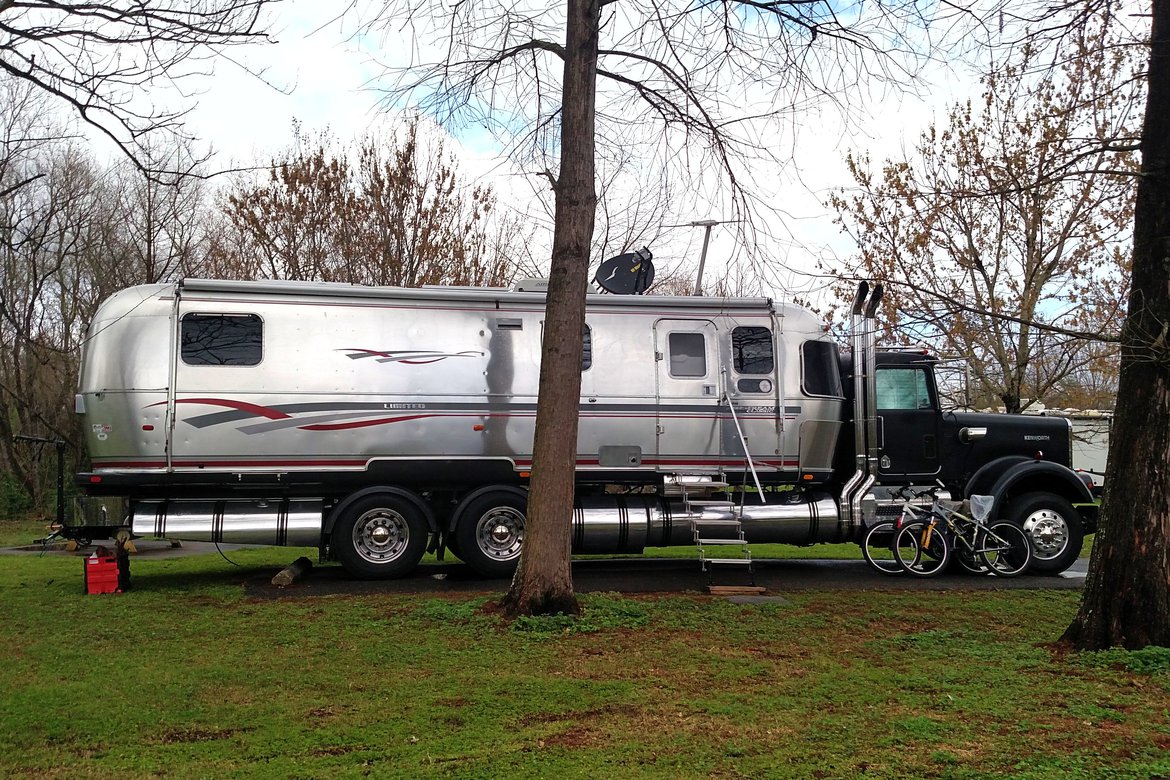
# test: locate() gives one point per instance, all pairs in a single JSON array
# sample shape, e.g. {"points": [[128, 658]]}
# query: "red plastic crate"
{"points": [[101, 575]]}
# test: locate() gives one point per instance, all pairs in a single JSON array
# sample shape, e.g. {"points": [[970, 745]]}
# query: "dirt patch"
{"points": [[191, 735], [576, 737], [333, 750]]}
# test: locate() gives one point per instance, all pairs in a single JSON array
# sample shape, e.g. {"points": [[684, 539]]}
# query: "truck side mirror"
{"points": [[969, 435]]}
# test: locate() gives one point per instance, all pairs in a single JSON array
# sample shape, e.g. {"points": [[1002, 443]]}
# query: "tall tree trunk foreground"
{"points": [[543, 583], [1127, 595]]}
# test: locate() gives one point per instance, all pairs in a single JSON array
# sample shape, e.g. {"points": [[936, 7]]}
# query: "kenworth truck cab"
{"points": [[1023, 460]]}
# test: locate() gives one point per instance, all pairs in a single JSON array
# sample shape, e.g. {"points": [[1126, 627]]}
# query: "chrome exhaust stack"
{"points": [[863, 345], [871, 380]]}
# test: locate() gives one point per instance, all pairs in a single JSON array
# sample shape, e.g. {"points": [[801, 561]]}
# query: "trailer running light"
{"points": [[94, 479], [525, 474], [807, 477], [477, 427], [148, 427]]}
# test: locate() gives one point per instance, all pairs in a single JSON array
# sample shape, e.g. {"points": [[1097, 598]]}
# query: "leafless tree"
{"points": [[48, 225], [686, 70], [71, 232]]}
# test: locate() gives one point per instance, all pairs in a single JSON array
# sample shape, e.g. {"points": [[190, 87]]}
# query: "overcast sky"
{"points": [[316, 72]]}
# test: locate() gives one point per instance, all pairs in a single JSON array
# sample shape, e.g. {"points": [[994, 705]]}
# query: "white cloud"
{"points": [[312, 73], [319, 73]]}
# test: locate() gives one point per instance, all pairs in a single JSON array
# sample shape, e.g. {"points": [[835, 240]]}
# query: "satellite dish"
{"points": [[630, 273]]}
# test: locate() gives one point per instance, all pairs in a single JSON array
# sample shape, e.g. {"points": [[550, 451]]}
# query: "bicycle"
{"points": [[877, 546], [999, 547]]}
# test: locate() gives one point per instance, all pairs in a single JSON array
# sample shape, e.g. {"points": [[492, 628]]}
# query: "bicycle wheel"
{"points": [[963, 560], [1006, 549], [964, 554], [929, 545], [878, 548]]}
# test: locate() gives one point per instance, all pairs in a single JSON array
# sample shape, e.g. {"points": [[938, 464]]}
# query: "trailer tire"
{"points": [[490, 533], [1053, 527], [379, 537]]}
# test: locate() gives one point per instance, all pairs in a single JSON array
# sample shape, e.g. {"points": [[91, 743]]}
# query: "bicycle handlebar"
{"points": [[905, 493]]}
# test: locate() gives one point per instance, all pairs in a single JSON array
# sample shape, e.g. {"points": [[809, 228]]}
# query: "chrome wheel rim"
{"points": [[380, 535], [1048, 531], [499, 533]]}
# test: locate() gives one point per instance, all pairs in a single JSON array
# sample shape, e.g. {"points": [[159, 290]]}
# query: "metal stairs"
{"points": [[717, 524], [717, 531]]}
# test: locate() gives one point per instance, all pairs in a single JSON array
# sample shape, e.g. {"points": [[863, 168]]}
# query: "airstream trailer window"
{"points": [[688, 355], [752, 350], [221, 339], [586, 348], [820, 369], [902, 388]]}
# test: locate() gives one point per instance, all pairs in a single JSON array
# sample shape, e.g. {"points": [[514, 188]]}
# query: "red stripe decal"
{"points": [[243, 406]]}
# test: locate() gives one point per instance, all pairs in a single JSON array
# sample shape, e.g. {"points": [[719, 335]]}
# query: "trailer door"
{"points": [[215, 385], [688, 388]]}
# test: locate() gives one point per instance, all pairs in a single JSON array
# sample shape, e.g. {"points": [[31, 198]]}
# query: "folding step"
{"points": [[738, 541], [729, 561], [716, 522], [693, 484], [705, 502]]}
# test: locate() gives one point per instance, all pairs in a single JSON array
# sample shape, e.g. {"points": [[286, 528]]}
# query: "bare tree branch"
{"points": [[96, 58]]}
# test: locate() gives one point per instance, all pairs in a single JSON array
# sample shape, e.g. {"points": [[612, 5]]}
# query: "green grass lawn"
{"points": [[184, 676]]}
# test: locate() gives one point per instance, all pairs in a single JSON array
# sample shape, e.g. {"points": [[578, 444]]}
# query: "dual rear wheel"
{"points": [[385, 535]]}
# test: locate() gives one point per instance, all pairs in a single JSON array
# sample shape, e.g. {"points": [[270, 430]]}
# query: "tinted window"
{"points": [[688, 355], [902, 388], [586, 348], [751, 348], [221, 339], [820, 369]]}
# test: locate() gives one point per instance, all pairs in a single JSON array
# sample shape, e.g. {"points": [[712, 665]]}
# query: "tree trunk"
{"points": [[1127, 595], [544, 579]]}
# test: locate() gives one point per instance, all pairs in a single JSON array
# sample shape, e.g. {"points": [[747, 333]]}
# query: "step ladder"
{"points": [[718, 532], [717, 525]]}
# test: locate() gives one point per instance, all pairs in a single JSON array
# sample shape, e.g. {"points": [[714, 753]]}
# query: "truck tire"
{"points": [[379, 537], [1053, 527], [490, 533]]}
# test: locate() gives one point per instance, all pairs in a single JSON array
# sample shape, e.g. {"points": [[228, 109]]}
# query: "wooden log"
{"points": [[293, 572], [736, 590]]}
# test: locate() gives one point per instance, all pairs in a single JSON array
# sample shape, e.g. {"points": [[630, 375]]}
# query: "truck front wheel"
{"points": [[380, 537], [1053, 527], [491, 532]]}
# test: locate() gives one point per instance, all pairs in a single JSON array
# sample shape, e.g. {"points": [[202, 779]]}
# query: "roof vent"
{"points": [[531, 284]]}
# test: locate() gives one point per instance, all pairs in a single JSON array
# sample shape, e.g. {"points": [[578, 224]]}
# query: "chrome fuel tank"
{"points": [[628, 524], [291, 522]]}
